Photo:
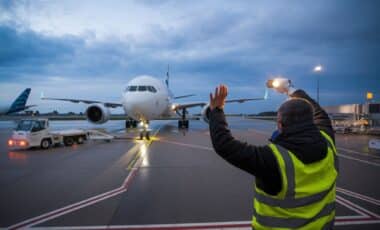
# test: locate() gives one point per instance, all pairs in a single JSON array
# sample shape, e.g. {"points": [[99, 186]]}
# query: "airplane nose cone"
{"points": [[139, 107]]}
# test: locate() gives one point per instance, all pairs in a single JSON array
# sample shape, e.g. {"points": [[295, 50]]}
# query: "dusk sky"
{"points": [[91, 49]]}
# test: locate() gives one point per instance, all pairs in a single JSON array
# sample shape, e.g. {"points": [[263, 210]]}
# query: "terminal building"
{"points": [[356, 117]]}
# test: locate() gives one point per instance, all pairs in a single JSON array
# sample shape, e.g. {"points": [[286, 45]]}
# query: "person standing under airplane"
{"points": [[295, 173]]}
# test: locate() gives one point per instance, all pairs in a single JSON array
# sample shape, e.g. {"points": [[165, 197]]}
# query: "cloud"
{"points": [[205, 42]]}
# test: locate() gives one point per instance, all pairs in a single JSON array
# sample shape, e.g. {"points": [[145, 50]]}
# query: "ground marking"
{"points": [[81, 204], [358, 196], [358, 153], [359, 160], [340, 155], [188, 145], [366, 217]]}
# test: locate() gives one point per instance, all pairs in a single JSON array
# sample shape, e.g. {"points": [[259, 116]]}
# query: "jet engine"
{"points": [[206, 113], [97, 114]]}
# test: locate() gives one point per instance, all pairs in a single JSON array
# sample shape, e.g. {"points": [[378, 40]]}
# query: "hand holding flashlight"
{"points": [[281, 85]]}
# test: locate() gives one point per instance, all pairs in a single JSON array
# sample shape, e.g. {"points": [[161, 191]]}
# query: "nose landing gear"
{"points": [[144, 130], [183, 123], [130, 124]]}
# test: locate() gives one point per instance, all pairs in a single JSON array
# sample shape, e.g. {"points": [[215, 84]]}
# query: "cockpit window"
{"points": [[132, 88], [141, 88], [152, 89]]}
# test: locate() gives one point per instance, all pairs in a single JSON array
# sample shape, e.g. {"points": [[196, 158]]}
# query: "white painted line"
{"points": [[59, 212], [358, 153], [70, 210], [339, 221], [348, 203], [78, 205], [342, 223], [363, 214], [359, 160], [358, 196], [341, 218]]}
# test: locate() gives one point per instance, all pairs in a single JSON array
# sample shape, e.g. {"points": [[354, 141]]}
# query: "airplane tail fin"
{"points": [[20, 102]]}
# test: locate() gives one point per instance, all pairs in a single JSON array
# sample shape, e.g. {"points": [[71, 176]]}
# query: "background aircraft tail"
{"points": [[20, 102]]}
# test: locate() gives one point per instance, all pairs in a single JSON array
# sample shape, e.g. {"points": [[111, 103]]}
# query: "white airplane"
{"points": [[145, 99], [17, 105]]}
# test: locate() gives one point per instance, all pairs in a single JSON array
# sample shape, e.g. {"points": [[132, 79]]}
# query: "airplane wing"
{"points": [[106, 104], [201, 104], [29, 106], [184, 96]]}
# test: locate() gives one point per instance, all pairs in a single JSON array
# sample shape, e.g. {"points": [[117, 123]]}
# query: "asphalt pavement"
{"points": [[174, 181]]}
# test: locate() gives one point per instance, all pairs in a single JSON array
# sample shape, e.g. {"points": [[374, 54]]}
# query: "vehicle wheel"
{"points": [[80, 140], [180, 124], [68, 141], [141, 136], [45, 144], [134, 124], [186, 124], [147, 135]]}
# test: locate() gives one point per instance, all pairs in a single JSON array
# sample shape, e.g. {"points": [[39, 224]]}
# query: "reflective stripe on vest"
{"points": [[322, 214]]}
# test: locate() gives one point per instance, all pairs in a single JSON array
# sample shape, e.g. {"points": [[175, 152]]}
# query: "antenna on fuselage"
{"points": [[167, 77]]}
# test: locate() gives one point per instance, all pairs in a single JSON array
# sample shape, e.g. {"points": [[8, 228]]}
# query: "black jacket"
{"points": [[305, 141]]}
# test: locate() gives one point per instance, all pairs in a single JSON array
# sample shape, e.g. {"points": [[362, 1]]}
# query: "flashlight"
{"points": [[278, 83]]}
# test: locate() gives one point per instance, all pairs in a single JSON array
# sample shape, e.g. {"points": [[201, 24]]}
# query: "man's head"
{"points": [[294, 111]]}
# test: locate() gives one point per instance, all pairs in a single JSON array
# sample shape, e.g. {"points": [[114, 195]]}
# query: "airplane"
{"points": [[144, 99], [18, 105]]}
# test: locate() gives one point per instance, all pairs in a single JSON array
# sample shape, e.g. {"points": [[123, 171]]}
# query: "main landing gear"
{"points": [[144, 130], [183, 123], [130, 124]]}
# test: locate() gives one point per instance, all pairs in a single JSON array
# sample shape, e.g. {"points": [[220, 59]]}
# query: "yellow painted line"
{"points": [[138, 155]]}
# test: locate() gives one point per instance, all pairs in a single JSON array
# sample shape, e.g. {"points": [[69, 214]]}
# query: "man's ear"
{"points": [[279, 126]]}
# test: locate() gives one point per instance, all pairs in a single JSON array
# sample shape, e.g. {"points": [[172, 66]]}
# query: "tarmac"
{"points": [[174, 181]]}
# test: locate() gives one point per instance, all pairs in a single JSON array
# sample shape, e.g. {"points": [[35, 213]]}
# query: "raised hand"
{"points": [[218, 99]]}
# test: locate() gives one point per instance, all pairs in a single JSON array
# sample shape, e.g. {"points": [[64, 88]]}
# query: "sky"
{"points": [[91, 49]]}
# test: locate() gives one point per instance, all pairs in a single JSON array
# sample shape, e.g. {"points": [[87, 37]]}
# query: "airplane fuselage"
{"points": [[146, 98]]}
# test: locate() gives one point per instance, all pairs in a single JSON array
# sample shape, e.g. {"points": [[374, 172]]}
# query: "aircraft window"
{"points": [[152, 89], [132, 88], [142, 88]]}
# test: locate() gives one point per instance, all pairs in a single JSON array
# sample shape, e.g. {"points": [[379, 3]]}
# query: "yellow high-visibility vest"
{"points": [[307, 196]]}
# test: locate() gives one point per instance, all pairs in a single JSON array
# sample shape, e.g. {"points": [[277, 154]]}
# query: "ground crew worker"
{"points": [[295, 173]]}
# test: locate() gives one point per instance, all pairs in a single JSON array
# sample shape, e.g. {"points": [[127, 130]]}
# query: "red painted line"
{"points": [[354, 219], [189, 227]]}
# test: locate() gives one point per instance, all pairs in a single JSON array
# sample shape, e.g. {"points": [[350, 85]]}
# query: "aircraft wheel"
{"points": [[186, 124], [147, 135], [141, 136], [180, 124], [134, 124]]}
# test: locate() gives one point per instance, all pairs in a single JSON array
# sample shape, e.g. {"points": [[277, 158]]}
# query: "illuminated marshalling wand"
{"points": [[279, 83], [318, 69]]}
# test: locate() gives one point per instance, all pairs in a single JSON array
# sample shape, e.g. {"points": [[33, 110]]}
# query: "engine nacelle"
{"points": [[206, 113], [97, 114]]}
